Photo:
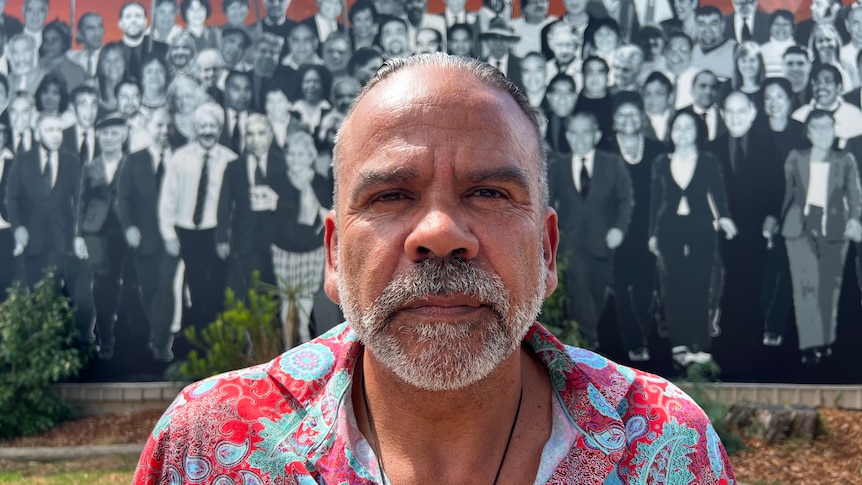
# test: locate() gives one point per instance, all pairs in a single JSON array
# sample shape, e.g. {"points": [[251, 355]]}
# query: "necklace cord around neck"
{"points": [[376, 449]]}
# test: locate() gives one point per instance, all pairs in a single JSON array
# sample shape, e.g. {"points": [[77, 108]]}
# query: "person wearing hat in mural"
{"points": [[498, 40], [98, 235]]}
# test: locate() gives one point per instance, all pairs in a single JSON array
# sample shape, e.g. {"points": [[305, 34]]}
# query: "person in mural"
{"points": [[634, 266], [99, 236], [415, 256], [558, 105], [164, 28], [657, 95], [796, 66], [195, 14], [498, 40], [81, 138], [238, 98], [460, 40], [687, 206], [704, 92], [137, 44], [595, 97], [188, 212], [325, 21], [91, 35], [820, 215], [827, 86], [7, 235], [364, 24], [749, 70], [305, 197], [781, 31], [140, 184], [747, 23], [336, 53], [277, 23], [591, 190], [25, 73], [22, 115], [41, 197]]}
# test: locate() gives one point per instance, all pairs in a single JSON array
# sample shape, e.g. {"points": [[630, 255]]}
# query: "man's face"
{"points": [[92, 31], [427, 41], [237, 93], [209, 71], [797, 68], [738, 114], [821, 132], [825, 88], [536, 10], [232, 47], [129, 99], [303, 43], [277, 106], [20, 114], [258, 138], [159, 126], [709, 30], [207, 131], [436, 293], [343, 95], [627, 69], [460, 43], [533, 74], [393, 39], [311, 86], [111, 138], [329, 9], [275, 9], [365, 72], [498, 46], [575, 7], [164, 16], [298, 157], [595, 79], [363, 24], [266, 58], [657, 98], [705, 90], [86, 109], [583, 135], [236, 13], [677, 54], [854, 24], [180, 52], [564, 45], [52, 44], [35, 12], [415, 8], [133, 21], [336, 54], [51, 132], [561, 98], [22, 55], [745, 8]]}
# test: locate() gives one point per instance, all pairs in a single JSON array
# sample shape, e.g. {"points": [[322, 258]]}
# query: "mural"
{"points": [[703, 156]]}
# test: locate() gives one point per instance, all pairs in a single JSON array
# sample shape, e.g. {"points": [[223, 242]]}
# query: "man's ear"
{"points": [[550, 242], [330, 242]]}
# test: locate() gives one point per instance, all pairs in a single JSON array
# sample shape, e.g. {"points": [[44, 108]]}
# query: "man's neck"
{"points": [[133, 41], [112, 157], [276, 20], [461, 433]]}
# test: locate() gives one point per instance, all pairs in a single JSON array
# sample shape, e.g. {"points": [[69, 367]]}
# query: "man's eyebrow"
{"points": [[517, 175], [369, 179]]}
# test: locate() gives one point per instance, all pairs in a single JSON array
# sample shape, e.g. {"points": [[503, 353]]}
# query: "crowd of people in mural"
{"points": [[696, 158]]}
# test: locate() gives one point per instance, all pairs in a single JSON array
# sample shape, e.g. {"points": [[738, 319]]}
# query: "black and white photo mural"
{"points": [[704, 160]]}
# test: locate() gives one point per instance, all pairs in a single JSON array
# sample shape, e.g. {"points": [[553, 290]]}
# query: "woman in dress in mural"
{"points": [[304, 198], [687, 206]]}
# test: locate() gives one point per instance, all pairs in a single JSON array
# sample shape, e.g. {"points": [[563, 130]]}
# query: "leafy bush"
{"points": [[37, 333], [697, 377], [243, 334], [553, 315]]}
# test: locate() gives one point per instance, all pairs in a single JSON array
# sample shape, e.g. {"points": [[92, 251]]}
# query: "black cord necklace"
{"points": [[374, 443]]}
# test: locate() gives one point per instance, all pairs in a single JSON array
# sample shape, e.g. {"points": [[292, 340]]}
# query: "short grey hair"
{"points": [[482, 71], [258, 118], [211, 110]]}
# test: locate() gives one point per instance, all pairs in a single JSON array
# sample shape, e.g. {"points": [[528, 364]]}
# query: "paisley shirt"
{"points": [[284, 422]]}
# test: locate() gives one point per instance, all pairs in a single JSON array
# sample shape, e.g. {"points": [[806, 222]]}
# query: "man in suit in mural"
{"points": [[820, 215], [592, 192], [277, 23], [81, 138], [138, 201], [21, 115], [325, 21], [746, 23], [98, 235], [499, 39], [91, 34], [238, 98], [41, 197], [136, 43], [704, 92], [246, 207]]}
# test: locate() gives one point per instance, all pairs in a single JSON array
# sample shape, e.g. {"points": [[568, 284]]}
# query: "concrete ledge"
{"points": [[117, 397], [68, 452]]}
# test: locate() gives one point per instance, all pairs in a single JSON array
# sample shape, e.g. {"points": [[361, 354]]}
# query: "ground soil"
{"points": [[834, 458]]}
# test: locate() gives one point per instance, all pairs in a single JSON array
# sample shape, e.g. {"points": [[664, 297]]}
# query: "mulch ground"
{"points": [[833, 458]]}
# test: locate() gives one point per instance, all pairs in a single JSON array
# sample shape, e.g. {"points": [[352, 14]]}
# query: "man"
{"points": [[325, 21], [99, 237], [128, 94], [344, 91], [747, 23], [533, 76], [25, 73], [577, 17], [165, 28], [364, 24], [41, 197], [592, 192], [850, 52], [441, 340], [188, 207], [534, 17], [276, 22], [336, 53], [303, 48], [21, 115], [234, 42], [418, 19], [81, 138], [265, 68], [626, 69], [753, 176], [827, 87], [704, 92], [136, 43], [658, 106], [428, 41], [246, 207], [364, 63], [713, 50], [565, 50], [238, 98], [393, 38], [34, 14], [677, 55], [138, 204], [90, 34], [210, 72], [499, 39], [796, 65]]}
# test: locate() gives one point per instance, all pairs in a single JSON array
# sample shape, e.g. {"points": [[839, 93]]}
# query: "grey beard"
{"points": [[444, 355]]}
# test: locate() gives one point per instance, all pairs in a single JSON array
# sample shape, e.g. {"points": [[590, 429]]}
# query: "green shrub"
{"points": [[243, 334], [553, 315], [696, 380], [37, 333]]}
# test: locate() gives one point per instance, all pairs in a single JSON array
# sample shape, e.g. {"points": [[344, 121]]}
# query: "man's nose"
{"points": [[442, 232]]}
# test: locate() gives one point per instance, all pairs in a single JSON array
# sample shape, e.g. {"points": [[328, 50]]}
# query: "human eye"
{"points": [[489, 193]]}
